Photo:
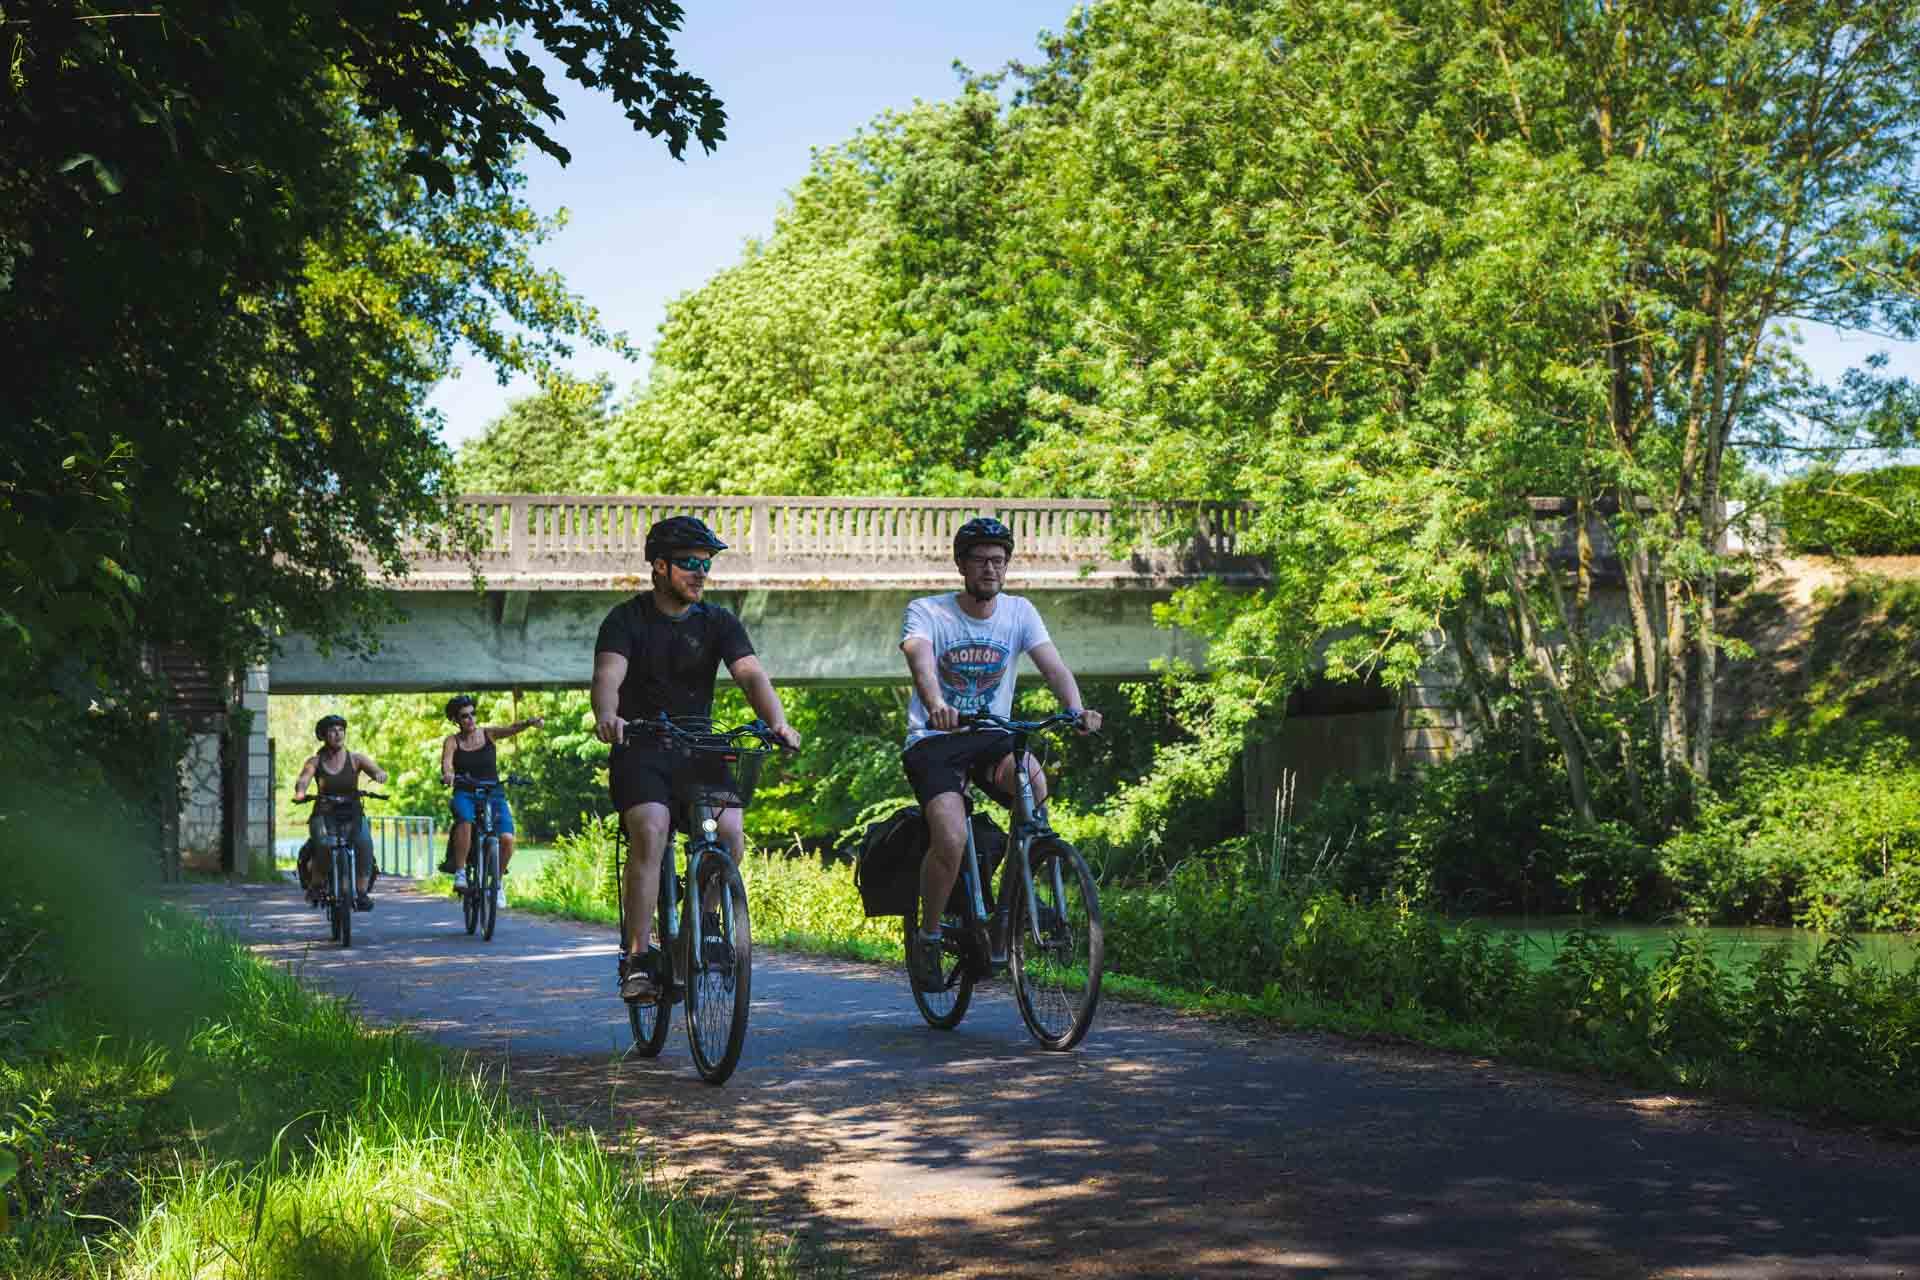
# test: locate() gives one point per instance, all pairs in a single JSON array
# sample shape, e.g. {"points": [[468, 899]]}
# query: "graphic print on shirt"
{"points": [[970, 672]]}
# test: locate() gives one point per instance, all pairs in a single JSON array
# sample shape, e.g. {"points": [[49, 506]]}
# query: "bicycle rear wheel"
{"points": [[942, 1009], [719, 986], [470, 909], [652, 1022], [1057, 981], [489, 886]]}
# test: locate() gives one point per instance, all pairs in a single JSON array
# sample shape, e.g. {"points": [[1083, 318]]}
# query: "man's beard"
{"points": [[684, 595], [983, 593]]}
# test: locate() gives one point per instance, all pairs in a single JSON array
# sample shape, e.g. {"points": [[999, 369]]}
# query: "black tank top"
{"points": [[480, 763], [343, 782]]}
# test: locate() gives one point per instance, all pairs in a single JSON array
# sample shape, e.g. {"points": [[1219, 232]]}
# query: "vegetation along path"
{"points": [[1165, 1146]]}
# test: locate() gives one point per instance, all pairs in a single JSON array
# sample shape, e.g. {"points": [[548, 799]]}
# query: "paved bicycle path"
{"points": [[1164, 1146]]}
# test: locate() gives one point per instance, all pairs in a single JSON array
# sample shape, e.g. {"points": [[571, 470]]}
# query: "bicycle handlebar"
{"points": [[467, 782], [338, 796], [698, 739], [988, 720]]}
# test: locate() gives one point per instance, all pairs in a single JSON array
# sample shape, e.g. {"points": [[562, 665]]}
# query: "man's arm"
{"points": [[498, 731], [763, 697], [609, 670], [1053, 669], [301, 783], [926, 682], [446, 759], [366, 765]]}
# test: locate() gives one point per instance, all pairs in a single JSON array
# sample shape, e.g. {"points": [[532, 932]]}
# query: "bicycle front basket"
{"points": [[718, 777]]}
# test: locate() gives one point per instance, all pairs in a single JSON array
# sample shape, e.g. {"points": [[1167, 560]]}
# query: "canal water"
{"points": [[1734, 946]]}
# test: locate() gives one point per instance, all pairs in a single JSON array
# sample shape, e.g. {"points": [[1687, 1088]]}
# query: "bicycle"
{"points": [[339, 898], [711, 966], [1043, 925], [480, 900]]}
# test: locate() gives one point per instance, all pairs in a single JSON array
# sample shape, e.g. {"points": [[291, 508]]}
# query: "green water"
{"points": [[1735, 946]]}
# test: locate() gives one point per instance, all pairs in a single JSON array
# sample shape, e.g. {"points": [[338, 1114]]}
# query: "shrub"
{"points": [[1822, 832], [1872, 513]]}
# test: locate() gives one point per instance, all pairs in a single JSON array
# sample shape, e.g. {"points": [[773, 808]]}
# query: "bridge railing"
{"points": [[774, 538]]}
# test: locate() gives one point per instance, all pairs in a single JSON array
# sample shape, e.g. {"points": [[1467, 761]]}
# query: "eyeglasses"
{"points": [[995, 563], [692, 564]]}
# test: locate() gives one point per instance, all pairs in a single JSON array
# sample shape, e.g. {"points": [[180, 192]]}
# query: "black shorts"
{"points": [[640, 772], [948, 761]]}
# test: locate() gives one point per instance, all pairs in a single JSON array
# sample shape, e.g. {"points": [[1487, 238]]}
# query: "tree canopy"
{"points": [[237, 249]]}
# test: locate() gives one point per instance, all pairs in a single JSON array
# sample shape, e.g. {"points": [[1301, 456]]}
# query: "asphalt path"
{"points": [[1164, 1146]]}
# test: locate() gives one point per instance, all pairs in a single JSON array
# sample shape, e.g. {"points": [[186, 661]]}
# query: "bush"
{"points": [[1489, 830], [1869, 513], [1822, 832]]}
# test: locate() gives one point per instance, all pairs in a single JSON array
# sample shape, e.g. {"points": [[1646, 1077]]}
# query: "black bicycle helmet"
{"points": [[456, 702], [978, 530], [681, 531], [327, 722]]}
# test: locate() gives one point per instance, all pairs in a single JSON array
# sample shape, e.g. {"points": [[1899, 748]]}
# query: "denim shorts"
{"points": [[464, 810]]}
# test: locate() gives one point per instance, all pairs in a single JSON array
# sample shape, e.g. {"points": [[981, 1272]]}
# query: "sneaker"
{"points": [[460, 880], [500, 894], [637, 983], [926, 962]]}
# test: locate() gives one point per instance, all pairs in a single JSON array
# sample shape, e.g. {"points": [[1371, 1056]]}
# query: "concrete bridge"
{"points": [[820, 583]]}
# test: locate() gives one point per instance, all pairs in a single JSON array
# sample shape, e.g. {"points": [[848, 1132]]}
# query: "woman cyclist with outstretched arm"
{"points": [[469, 752]]}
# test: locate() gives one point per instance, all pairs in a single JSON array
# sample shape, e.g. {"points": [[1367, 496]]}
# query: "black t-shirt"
{"points": [[671, 662]]}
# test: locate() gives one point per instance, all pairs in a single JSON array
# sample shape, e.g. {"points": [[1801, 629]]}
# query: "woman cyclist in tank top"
{"points": [[337, 771], [470, 751]]}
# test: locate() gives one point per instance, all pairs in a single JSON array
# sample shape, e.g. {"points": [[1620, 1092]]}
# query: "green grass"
{"points": [[261, 1131]]}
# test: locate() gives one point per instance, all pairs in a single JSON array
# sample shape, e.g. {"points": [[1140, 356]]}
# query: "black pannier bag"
{"points": [[887, 872]]}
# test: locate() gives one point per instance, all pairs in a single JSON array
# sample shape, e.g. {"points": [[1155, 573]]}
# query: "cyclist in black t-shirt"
{"points": [[661, 651]]}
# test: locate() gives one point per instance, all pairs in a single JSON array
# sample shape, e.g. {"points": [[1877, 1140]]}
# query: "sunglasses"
{"points": [[692, 564]]}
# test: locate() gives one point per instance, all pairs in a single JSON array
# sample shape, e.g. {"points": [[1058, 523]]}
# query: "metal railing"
{"points": [[407, 844], [819, 540]]}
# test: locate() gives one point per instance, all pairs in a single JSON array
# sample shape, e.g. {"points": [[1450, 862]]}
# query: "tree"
{"points": [[235, 252], [543, 443], [1392, 270], [887, 337]]}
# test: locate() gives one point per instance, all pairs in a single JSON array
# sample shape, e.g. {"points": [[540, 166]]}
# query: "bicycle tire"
{"points": [[651, 1023], [470, 909], [333, 894], [489, 887], [1057, 985], [942, 1009], [720, 990]]}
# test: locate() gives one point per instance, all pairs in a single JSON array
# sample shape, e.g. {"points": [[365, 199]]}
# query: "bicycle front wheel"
{"points": [[489, 887], [944, 1008], [720, 982], [1056, 981]]}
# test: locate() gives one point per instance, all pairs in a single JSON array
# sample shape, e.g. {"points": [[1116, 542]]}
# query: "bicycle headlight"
{"points": [[709, 826]]}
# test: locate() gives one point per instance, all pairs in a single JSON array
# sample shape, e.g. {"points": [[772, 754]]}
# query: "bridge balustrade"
{"points": [[824, 541]]}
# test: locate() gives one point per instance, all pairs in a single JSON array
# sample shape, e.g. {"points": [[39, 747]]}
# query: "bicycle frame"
{"points": [[1029, 825]]}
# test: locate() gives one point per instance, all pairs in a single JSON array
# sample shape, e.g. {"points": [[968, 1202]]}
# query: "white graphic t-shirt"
{"points": [[974, 658]]}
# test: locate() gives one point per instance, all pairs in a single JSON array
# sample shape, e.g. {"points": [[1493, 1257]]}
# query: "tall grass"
{"points": [[307, 1145], [795, 901]]}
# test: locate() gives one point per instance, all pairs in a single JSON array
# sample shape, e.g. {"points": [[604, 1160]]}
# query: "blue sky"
{"points": [[645, 228]]}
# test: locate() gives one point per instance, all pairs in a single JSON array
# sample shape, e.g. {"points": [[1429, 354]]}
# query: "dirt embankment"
{"points": [[1827, 635]]}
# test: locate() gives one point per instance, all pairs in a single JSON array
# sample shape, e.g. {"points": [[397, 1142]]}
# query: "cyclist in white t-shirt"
{"points": [[962, 649]]}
